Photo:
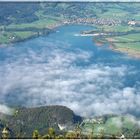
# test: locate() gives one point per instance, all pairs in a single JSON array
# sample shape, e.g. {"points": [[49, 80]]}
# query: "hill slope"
{"points": [[26, 120]]}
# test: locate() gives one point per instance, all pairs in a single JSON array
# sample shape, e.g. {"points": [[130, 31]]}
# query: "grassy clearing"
{"points": [[131, 46], [41, 16], [113, 125], [132, 41], [44, 23], [5, 38], [136, 16], [114, 14], [12, 36], [24, 35], [127, 38], [116, 28]]}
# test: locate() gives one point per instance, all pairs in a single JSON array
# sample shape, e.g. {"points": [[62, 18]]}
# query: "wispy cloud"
{"points": [[56, 76], [5, 109]]}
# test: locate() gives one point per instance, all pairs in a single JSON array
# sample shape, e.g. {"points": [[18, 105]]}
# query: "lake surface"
{"points": [[65, 69]]}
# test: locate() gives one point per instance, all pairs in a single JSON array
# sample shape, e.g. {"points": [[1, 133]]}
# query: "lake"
{"points": [[65, 69]]}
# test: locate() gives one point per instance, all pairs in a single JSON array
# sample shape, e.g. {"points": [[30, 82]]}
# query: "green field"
{"points": [[49, 15], [112, 126], [8, 36], [25, 29], [43, 23], [127, 38], [134, 47], [129, 43], [115, 14], [116, 28], [15, 36], [5, 38]]}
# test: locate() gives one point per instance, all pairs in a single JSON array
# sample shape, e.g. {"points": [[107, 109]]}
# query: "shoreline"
{"points": [[126, 51], [41, 33], [52, 29], [129, 52]]}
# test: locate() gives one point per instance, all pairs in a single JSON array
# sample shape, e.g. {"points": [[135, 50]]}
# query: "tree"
{"points": [[78, 131], [5, 133], [51, 132], [16, 113], [35, 134], [102, 134], [70, 135]]}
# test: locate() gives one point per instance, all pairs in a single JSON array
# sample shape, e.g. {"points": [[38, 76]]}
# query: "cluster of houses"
{"points": [[102, 21]]}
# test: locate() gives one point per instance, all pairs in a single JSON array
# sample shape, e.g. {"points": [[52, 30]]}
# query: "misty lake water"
{"points": [[65, 69]]}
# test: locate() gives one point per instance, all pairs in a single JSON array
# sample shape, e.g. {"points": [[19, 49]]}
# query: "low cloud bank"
{"points": [[5, 110], [56, 76]]}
